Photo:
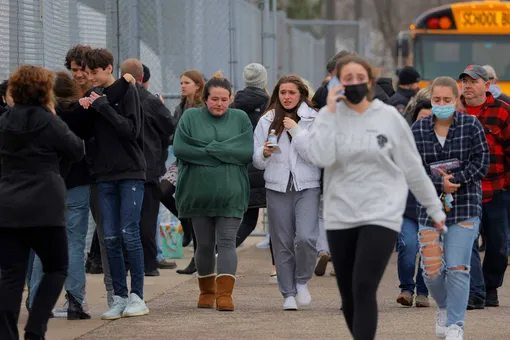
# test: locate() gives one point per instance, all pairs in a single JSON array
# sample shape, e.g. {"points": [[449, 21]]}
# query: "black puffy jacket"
{"points": [[254, 102]]}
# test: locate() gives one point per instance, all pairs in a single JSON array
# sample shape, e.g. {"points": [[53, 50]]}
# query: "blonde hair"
{"points": [[217, 80], [218, 75], [424, 93]]}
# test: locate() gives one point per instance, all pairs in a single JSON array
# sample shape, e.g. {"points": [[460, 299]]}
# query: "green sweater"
{"points": [[213, 154]]}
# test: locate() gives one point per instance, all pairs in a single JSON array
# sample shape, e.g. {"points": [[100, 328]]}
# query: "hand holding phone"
{"points": [[334, 82]]}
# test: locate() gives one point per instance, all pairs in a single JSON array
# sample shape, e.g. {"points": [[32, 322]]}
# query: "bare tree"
{"points": [[393, 16]]}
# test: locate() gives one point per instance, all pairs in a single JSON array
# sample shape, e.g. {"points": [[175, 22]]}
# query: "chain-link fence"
{"points": [[173, 36]]}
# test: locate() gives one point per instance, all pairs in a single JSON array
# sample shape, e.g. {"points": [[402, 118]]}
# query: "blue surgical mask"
{"points": [[443, 112]]}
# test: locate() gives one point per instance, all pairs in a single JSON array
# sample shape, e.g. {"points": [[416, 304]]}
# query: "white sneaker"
{"points": [[454, 332], [290, 303], [441, 323], [118, 306], [135, 307], [61, 312], [264, 244], [303, 295]]}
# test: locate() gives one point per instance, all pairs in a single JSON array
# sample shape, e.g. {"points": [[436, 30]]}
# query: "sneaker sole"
{"points": [[320, 268], [422, 305], [290, 309], [475, 307], [301, 304], [145, 312], [111, 317]]}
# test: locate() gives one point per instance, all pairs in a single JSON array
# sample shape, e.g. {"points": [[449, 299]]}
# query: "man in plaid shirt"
{"points": [[495, 118]]}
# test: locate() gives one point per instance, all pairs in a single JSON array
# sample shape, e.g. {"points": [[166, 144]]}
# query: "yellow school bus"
{"points": [[446, 39]]}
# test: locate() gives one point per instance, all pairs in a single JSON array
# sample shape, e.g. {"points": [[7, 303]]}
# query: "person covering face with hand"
{"points": [[357, 139]]}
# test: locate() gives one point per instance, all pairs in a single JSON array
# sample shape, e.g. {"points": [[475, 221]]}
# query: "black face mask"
{"points": [[356, 93]]}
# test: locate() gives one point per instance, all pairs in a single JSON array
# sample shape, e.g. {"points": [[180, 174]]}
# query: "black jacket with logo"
{"points": [[254, 102], [115, 150], [400, 99], [157, 130], [32, 142]]}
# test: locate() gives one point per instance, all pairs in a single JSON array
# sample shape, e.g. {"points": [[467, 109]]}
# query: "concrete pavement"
{"points": [[172, 300]]}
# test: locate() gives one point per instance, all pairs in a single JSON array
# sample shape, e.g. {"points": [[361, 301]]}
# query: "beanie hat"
{"points": [[146, 74], [408, 75], [255, 75]]}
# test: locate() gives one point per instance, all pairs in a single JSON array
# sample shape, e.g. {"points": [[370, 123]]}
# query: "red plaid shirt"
{"points": [[495, 118]]}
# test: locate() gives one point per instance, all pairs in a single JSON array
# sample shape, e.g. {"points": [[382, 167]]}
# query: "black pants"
{"points": [[148, 222], [50, 244], [167, 199], [95, 249], [360, 256], [495, 219], [250, 219]]}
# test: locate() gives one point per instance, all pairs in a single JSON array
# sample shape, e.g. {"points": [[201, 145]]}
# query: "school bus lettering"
{"points": [[485, 19]]}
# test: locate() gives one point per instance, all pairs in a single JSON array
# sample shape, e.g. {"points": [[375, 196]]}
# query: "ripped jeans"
{"points": [[445, 259], [120, 205]]}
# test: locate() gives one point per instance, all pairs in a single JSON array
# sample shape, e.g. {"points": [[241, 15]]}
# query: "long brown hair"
{"points": [[279, 112], [197, 78], [65, 88], [355, 59]]}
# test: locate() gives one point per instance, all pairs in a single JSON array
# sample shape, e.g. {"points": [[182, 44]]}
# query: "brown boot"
{"points": [[224, 287], [207, 286]]}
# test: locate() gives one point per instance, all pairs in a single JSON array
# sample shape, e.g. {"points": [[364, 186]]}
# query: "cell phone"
{"points": [[157, 95], [334, 82], [275, 147]]}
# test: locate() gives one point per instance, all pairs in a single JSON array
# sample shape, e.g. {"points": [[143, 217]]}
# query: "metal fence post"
{"points": [[134, 36], [232, 36], [274, 73], [266, 36]]}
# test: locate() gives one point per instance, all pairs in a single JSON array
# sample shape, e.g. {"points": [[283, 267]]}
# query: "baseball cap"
{"points": [[475, 72]]}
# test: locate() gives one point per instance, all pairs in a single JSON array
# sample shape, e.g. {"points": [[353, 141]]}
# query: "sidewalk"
{"points": [[172, 300]]}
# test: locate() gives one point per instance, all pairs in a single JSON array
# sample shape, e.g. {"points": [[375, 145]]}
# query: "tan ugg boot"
{"points": [[207, 286], [224, 287]]}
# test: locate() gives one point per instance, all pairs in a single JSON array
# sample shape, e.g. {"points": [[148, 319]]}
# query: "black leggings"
{"points": [[50, 244], [247, 226], [360, 256], [168, 200]]}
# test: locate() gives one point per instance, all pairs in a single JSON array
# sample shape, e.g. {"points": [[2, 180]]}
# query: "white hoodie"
{"points": [[369, 160], [293, 157]]}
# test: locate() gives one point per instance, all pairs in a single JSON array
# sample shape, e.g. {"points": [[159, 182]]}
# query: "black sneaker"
{"points": [[491, 299], [154, 272], [475, 303]]}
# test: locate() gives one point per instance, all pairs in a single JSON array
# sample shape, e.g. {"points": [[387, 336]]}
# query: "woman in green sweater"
{"points": [[214, 145]]}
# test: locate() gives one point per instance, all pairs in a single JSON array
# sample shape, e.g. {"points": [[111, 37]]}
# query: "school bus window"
{"points": [[447, 55], [446, 52]]}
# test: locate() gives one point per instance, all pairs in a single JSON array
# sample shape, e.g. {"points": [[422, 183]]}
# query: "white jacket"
{"points": [[293, 157], [370, 162]]}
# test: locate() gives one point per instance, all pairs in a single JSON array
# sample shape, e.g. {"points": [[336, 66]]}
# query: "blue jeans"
{"points": [[120, 205], [445, 262], [495, 228], [160, 257], [408, 246], [77, 215]]}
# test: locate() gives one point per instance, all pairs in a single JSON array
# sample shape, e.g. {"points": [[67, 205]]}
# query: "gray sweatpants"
{"points": [[294, 228], [212, 233], [322, 242]]}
